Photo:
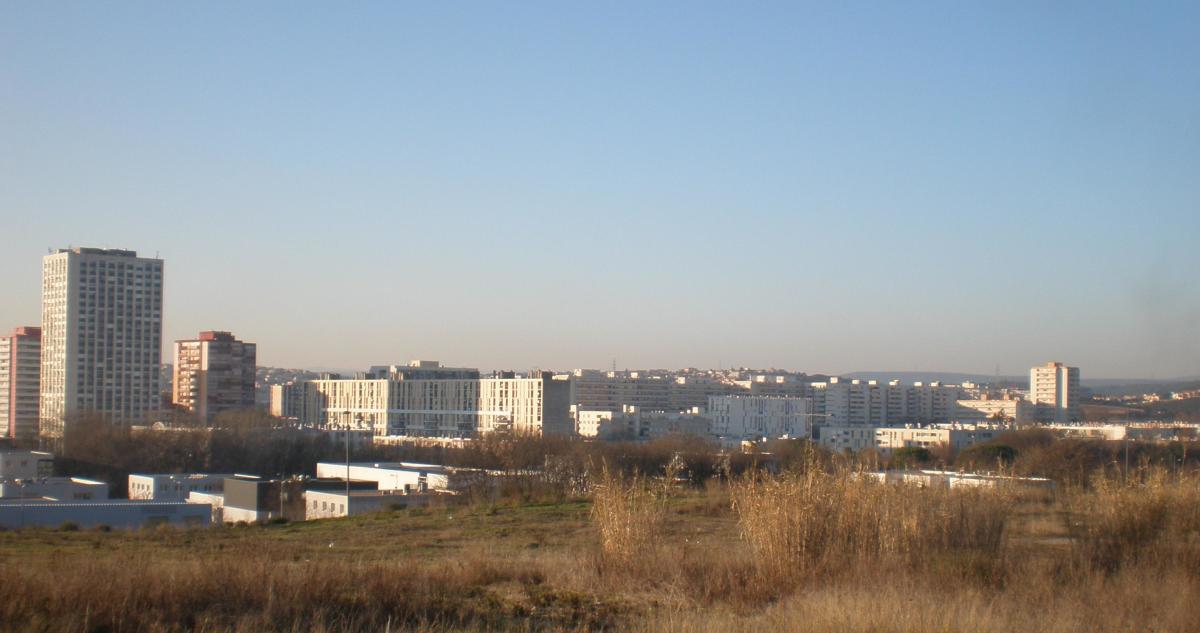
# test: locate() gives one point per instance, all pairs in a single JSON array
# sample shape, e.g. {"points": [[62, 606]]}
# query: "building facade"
{"points": [[751, 417], [214, 373], [20, 378], [855, 438], [101, 336], [1054, 390], [174, 487], [431, 402]]}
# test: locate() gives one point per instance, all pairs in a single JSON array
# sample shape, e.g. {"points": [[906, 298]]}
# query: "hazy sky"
{"points": [[829, 187]]}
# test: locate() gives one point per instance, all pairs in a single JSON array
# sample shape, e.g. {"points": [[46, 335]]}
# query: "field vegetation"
{"points": [[664, 537]]}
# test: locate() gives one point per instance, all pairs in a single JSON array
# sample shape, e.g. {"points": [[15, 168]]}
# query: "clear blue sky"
{"points": [[827, 187]]}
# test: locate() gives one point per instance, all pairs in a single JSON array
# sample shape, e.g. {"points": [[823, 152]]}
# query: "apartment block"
{"points": [[430, 401], [1054, 390], [870, 402], [534, 406], [214, 373], [20, 378], [594, 390], [101, 336], [751, 417], [855, 438], [1009, 410], [632, 423]]}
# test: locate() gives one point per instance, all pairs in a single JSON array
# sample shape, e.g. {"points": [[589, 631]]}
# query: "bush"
{"points": [[988, 456], [69, 526], [911, 456]]}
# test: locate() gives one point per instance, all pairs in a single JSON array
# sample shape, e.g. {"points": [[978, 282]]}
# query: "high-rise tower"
{"points": [[1054, 390], [101, 336]]}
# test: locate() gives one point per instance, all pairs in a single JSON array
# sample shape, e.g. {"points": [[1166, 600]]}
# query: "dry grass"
{"points": [[818, 522], [815, 551], [628, 513], [1149, 514]]}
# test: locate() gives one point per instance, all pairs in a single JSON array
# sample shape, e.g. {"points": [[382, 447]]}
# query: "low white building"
{"points": [[404, 476], [22, 465], [886, 439], [120, 513], [329, 504], [950, 479], [214, 500], [55, 488], [174, 487]]}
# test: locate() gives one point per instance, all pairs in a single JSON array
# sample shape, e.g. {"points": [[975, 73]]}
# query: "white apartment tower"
{"points": [[101, 336], [1054, 390]]}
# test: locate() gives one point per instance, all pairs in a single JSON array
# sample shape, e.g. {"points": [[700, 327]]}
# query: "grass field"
{"points": [[804, 553]]}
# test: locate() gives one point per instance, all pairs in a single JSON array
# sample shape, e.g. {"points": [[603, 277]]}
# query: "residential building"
{"points": [[287, 401], [632, 423], [101, 336], [752, 417], [20, 377], [855, 438], [1054, 390], [174, 487], [537, 406], [214, 373], [593, 390], [1010, 410], [421, 401], [839, 402]]}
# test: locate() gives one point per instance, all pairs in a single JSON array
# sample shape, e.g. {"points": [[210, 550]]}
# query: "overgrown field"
{"points": [[809, 550]]}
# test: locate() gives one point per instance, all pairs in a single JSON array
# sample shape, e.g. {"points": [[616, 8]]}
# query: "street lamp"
{"points": [[358, 422]]}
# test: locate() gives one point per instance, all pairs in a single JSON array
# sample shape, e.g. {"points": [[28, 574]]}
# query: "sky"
{"points": [[823, 187]]}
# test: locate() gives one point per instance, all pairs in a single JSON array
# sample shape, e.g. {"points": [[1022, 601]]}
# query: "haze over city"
{"points": [[826, 189]]}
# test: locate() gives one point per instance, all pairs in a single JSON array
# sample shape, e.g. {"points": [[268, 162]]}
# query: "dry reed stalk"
{"points": [[629, 512], [817, 521]]}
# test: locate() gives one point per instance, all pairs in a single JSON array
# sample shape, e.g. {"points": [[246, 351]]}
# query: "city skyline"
{"points": [[822, 189]]}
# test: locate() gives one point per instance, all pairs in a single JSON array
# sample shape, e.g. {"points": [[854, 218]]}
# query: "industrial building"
{"points": [[330, 504], [120, 514], [174, 487], [404, 476]]}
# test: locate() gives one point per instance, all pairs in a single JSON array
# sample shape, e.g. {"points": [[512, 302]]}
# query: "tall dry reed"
{"points": [[1148, 514], [819, 521], [629, 512]]}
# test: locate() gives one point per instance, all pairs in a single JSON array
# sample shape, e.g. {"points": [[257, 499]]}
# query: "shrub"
{"points": [[69, 526], [911, 456]]}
